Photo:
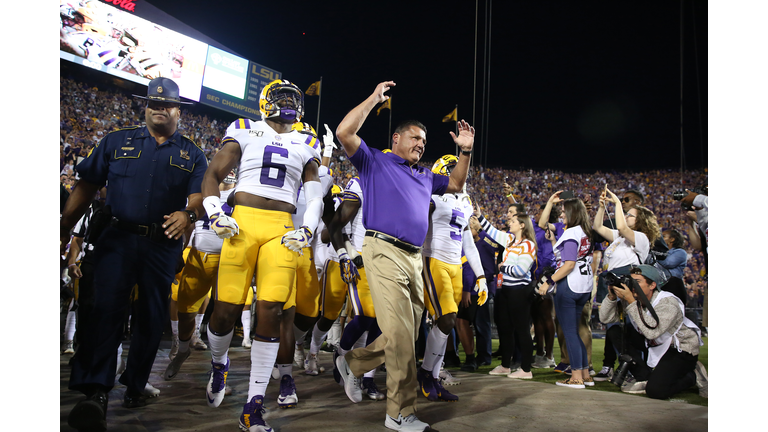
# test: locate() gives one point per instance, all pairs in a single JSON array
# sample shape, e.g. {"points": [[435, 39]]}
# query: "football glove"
{"points": [[225, 226], [481, 288], [349, 273], [328, 144], [296, 240]]}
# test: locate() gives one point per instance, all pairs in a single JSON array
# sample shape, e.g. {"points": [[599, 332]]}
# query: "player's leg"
{"points": [[332, 297], [245, 318]]}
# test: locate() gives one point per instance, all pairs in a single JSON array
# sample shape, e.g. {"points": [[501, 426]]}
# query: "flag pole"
{"points": [[319, 98], [389, 131]]}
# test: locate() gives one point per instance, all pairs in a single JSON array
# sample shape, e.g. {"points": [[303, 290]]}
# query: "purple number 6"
{"points": [[268, 163]]}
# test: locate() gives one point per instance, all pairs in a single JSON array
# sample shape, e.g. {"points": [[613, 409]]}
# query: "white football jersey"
{"points": [[446, 225], [203, 237], [271, 164], [355, 229]]}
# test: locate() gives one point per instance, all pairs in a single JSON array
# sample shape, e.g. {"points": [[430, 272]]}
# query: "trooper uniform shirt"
{"points": [[146, 181]]}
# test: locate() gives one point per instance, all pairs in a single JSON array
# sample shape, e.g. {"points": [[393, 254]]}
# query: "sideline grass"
{"points": [[598, 347]]}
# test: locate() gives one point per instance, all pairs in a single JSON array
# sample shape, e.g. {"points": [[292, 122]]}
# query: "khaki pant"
{"points": [[397, 291]]}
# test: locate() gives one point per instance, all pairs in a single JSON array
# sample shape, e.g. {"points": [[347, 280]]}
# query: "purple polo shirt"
{"points": [[396, 194]]}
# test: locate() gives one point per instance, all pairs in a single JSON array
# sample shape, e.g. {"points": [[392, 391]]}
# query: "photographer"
{"points": [[672, 341]]}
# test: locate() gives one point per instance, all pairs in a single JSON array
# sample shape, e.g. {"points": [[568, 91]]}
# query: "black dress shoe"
{"points": [[134, 399], [90, 415], [469, 366]]}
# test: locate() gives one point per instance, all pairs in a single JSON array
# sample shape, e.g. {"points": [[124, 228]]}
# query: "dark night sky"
{"points": [[573, 85]]}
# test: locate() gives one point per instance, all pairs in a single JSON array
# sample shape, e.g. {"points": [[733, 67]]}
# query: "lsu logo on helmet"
{"points": [[281, 100], [445, 165], [307, 129], [337, 190]]}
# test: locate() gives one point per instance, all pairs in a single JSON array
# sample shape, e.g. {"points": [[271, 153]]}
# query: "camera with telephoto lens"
{"points": [[678, 195], [625, 361]]}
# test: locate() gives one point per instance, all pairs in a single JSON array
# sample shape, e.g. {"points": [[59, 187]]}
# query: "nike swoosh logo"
{"points": [[398, 422], [287, 226], [209, 399]]}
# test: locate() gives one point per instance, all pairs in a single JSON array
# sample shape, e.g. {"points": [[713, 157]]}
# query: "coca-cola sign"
{"points": [[128, 5]]}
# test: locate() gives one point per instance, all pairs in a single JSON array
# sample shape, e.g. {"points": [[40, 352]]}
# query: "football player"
{"points": [[448, 233], [198, 276], [273, 160]]}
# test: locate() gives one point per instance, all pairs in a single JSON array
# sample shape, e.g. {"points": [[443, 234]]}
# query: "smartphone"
{"points": [[564, 195]]}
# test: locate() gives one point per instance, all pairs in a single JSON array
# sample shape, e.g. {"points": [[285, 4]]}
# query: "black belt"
{"points": [[154, 232], [395, 242]]}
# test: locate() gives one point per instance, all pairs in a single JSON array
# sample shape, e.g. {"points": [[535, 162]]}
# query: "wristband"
{"points": [[212, 205], [509, 195], [466, 152], [328, 151], [73, 264], [341, 252]]}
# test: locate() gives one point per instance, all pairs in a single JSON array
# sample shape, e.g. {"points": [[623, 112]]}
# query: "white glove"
{"points": [[225, 226], [296, 240], [481, 288], [328, 144]]}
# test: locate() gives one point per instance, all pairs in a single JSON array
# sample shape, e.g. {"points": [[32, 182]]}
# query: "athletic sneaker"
{"points": [[175, 365], [214, 391], [633, 386], [196, 342], [409, 424], [287, 397], [370, 389], [605, 374], [246, 344], [299, 359], [310, 364], [174, 347], [592, 371], [500, 370], [252, 420], [351, 382], [571, 383], [447, 378], [427, 384], [561, 367], [442, 393], [702, 381], [69, 347], [520, 374], [150, 391]]}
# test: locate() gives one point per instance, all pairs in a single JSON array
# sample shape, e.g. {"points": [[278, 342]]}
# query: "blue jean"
{"points": [[568, 307]]}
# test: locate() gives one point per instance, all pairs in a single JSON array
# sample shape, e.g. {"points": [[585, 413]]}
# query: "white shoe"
{"points": [[174, 347], [447, 378], [69, 347], [520, 374], [246, 343], [351, 382], [298, 357], [150, 391], [196, 342], [500, 370], [410, 423], [310, 364]]}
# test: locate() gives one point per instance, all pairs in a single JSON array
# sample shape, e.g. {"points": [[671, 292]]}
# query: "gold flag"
{"points": [[313, 90], [387, 105], [451, 116]]}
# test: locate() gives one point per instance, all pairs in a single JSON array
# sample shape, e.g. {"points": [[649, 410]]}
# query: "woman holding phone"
{"points": [[573, 283]]}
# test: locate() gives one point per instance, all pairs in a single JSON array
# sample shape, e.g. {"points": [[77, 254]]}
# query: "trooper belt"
{"points": [[153, 231], [394, 241]]}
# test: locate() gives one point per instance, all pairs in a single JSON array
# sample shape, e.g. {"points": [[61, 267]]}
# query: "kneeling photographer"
{"points": [[671, 340]]}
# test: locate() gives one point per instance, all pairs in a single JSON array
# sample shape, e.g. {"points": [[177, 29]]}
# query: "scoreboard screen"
{"points": [[120, 42]]}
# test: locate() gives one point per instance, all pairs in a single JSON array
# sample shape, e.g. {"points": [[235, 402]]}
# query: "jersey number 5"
{"points": [[268, 164]]}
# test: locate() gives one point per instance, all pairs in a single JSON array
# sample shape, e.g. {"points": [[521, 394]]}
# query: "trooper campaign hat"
{"points": [[163, 90]]}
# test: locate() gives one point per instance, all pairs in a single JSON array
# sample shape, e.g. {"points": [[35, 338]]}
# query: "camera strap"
{"points": [[644, 303]]}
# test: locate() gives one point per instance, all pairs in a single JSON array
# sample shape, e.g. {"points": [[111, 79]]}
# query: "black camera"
{"points": [[625, 361], [678, 195], [614, 280]]}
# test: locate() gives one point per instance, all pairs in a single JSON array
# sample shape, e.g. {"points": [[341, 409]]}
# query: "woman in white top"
{"points": [[573, 255], [632, 239]]}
